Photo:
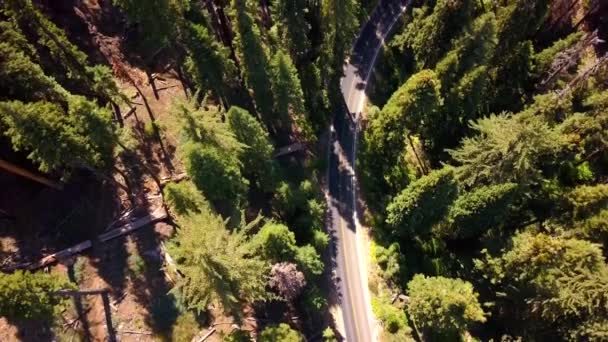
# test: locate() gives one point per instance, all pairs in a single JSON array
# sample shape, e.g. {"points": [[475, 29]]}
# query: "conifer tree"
{"points": [[422, 204], [464, 79], [289, 97], [209, 63], [443, 307], [290, 17], [157, 21], [281, 332], [74, 72], [218, 265], [414, 107], [203, 123], [565, 279], [25, 80], [474, 212], [338, 33], [56, 140], [506, 149], [256, 158], [430, 33], [30, 296], [216, 174], [253, 57]]}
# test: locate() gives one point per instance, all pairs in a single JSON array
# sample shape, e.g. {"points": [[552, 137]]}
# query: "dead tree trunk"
{"points": [[265, 13], [227, 32], [118, 114], [152, 83], [420, 163], [12, 168], [595, 6], [215, 21]]}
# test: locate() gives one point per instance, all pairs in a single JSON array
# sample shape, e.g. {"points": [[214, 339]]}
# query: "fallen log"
{"points": [[206, 336], [167, 87], [89, 292], [134, 332], [52, 258], [158, 214], [12, 168], [289, 149], [177, 178], [130, 112]]}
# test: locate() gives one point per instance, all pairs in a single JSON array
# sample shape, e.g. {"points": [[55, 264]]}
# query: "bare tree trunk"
{"points": [[180, 75], [265, 13], [145, 100], [423, 168], [595, 6], [108, 315], [154, 176], [118, 114], [152, 84], [227, 32], [215, 21], [14, 169], [127, 188]]}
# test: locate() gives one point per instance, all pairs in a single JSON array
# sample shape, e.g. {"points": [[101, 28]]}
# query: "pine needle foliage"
{"points": [[505, 149], [30, 296], [422, 204], [219, 266], [441, 306]]}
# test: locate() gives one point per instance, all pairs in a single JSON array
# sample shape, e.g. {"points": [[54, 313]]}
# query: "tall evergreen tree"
{"points": [[217, 174], [507, 148], [67, 63], [443, 307], [430, 33], [218, 265], [253, 56], [464, 80], [289, 97], [475, 212], [156, 20], [203, 123], [338, 33], [422, 204], [209, 63], [565, 280], [290, 17], [257, 162], [59, 140], [25, 80], [414, 107], [30, 296]]}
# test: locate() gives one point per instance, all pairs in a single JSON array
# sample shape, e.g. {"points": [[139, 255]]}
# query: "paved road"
{"points": [[359, 323]]}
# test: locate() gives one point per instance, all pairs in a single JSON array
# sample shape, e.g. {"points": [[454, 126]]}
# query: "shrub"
{"points": [[280, 333], [25, 295], [185, 327]]}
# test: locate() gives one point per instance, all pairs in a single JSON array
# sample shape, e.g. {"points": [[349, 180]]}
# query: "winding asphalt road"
{"points": [[359, 323]]}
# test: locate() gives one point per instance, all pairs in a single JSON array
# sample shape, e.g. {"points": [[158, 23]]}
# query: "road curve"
{"points": [[359, 324]]}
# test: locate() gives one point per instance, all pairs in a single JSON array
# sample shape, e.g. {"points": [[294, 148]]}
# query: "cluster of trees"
{"points": [[223, 258], [31, 296], [260, 75], [486, 171], [277, 59], [54, 105]]}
